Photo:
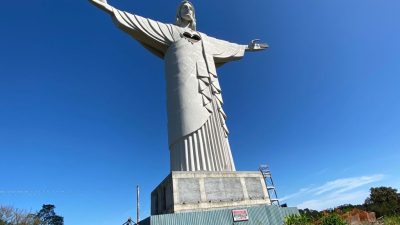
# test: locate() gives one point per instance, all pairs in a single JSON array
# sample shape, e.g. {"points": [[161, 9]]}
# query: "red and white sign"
{"points": [[240, 215]]}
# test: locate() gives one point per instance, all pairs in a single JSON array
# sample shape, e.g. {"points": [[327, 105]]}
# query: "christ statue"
{"points": [[197, 131]]}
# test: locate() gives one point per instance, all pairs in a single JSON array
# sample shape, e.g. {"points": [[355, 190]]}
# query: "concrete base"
{"points": [[257, 215], [200, 191]]}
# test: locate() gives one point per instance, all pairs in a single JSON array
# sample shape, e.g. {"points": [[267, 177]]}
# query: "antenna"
{"points": [[129, 222]]}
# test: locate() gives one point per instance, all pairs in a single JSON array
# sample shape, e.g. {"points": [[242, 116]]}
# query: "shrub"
{"points": [[332, 219], [297, 220]]}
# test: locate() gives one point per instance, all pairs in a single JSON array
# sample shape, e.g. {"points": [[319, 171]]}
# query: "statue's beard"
{"points": [[187, 22], [187, 18]]}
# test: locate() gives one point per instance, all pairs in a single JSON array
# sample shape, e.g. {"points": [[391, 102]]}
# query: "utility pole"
{"points": [[137, 204], [130, 221]]}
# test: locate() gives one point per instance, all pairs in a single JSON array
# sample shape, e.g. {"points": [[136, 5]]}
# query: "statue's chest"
{"points": [[182, 59], [185, 50], [191, 36]]}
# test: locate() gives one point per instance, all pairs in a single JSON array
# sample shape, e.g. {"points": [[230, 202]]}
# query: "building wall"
{"points": [[192, 191]]}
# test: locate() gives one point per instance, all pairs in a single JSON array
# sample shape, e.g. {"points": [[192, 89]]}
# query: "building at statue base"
{"points": [[253, 215]]}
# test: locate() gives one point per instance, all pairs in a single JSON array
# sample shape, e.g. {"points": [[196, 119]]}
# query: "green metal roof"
{"points": [[258, 215]]}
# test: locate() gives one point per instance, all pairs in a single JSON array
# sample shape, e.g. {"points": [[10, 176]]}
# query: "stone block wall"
{"points": [[194, 191]]}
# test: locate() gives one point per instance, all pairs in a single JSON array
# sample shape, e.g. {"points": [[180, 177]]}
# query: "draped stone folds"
{"points": [[206, 149], [197, 131]]}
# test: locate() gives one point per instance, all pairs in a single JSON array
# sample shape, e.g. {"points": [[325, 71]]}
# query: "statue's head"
{"points": [[186, 15]]}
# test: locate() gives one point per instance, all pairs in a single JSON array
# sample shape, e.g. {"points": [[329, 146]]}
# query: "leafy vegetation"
{"points": [[46, 216], [384, 201], [332, 219], [392, 220], [297, 220], [312, 215]]}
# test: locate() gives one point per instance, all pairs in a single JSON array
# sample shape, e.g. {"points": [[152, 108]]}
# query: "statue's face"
{"points": [[186, 12]]}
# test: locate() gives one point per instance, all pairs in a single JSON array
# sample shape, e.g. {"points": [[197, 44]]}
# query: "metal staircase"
{"points": [[269, 183]]}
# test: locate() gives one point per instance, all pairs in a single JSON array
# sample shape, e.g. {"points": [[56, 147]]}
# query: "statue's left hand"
{"points": [[102, 4], [255, 46]]}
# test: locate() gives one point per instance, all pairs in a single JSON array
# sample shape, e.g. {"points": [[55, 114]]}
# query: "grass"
{"points": [[392, 220]]}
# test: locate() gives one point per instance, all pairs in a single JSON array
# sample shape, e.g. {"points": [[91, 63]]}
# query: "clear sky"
{"points": [[83, 106]]}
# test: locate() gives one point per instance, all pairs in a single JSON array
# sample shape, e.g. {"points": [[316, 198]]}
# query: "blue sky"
{"points": [[82, 105]]}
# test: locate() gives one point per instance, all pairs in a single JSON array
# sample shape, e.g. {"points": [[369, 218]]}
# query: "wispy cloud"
{"points": [[297, 194], [346, 184], [28, 192], [333, 193], [334, 199]]}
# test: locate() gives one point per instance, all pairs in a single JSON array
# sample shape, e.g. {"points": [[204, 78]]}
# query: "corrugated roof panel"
{"points": [[258, 215]]}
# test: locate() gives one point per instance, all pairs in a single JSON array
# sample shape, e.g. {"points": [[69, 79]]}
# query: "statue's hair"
{"points": [[179, 19]]}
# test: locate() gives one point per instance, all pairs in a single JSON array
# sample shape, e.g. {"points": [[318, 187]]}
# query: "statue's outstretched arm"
{"points": [[103, 5], [255, 46], [155, 36]]}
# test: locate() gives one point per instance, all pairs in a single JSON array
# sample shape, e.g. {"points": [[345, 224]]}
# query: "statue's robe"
{"points": [[197, 133]]}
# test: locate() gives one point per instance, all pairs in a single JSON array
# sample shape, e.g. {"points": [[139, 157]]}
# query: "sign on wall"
{"points": [[240, 215]]}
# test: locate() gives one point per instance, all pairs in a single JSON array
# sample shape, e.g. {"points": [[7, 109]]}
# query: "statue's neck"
{"points": [[186, 25]]}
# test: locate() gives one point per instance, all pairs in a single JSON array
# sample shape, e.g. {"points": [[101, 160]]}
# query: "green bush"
{"points": [[392, 220], [384, 201], [332, 219], [297, 220]]}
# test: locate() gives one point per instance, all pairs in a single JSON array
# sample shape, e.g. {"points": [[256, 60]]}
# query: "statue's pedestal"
{"points": [[202, 191]]}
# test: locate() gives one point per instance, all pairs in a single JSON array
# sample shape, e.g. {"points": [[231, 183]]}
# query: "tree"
{"points": [[384, 201], [398, 203], [12, 216], [47, 216]]}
